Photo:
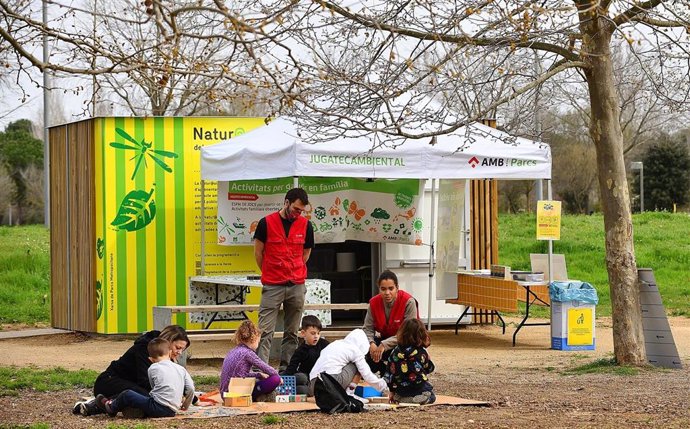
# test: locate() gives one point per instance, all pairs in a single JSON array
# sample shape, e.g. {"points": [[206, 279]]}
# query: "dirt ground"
{"points": [[525, 385]]}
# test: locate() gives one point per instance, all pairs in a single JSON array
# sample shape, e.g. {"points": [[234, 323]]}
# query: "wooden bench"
{"points": [[162, 315], [229, 335]]}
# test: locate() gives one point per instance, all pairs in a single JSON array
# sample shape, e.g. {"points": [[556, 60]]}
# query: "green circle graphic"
{"points": [[403, 198]]}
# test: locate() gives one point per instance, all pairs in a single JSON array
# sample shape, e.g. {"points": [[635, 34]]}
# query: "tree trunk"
{"points": [[605, 129]]}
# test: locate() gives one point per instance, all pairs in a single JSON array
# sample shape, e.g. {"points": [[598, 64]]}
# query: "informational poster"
{"points": [[580, 327], [340, 208], [548, 220], [451, 204]]}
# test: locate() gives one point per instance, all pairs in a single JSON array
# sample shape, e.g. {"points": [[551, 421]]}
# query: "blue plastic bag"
{"points": [[573, 291]]}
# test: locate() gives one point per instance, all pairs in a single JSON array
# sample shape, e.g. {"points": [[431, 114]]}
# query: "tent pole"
{"points": [[431, 249], [203, 228], [550, 197], [295, 181]]}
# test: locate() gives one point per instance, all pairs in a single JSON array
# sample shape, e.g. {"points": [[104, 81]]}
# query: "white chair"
{"points": [[540, 264]]}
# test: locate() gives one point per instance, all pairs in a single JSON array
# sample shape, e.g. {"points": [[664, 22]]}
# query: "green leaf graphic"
{"points": [[100, 244], [137, 210], [99, 300]]}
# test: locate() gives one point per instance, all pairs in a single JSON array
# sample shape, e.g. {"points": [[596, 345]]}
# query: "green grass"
{"points": [[605, 366], [660, 243], [270, 419], [14, 379], [206, 380], [24, 275]]}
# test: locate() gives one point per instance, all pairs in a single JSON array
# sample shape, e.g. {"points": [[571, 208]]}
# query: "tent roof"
{"points": [[276, 150]]}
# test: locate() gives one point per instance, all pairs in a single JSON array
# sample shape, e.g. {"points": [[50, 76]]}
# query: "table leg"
{"points": [[457, 323], [528, 303], [237, 298], [466, 312], [503, 322]]}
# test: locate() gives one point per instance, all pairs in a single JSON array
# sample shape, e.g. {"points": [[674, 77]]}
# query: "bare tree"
{"points": [[405, 69], [574, 175], [644, 112], [156, 89], [378, 68], [157, 57]]}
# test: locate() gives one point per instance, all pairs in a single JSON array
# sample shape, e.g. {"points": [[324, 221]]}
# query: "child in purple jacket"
{"points": [[240, 360]]}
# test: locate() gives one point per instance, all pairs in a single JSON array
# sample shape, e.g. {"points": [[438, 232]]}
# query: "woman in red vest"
{"points": [[386, 312]]}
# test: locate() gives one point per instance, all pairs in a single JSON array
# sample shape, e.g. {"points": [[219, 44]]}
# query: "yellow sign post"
{"points": [[548, 220]]}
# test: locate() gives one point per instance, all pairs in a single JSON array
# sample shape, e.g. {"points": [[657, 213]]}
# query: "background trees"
{"points": [[405, 69], [666, 174], [388, 59], [21, 155]]}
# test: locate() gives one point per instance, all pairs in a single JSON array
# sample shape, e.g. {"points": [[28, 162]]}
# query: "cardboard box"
{"points": [[572, 326], [291, 398], [239, 392], [236, 400]]}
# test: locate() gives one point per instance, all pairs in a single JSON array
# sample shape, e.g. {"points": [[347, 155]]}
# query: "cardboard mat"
{"points": [[310, 405]]}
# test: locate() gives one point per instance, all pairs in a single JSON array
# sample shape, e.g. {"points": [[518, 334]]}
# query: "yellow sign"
{"points": [[548, 220], [580, 327]]}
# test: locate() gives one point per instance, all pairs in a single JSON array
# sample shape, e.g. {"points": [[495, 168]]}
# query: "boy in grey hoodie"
{"points": [[344, 359], [172, 389]]}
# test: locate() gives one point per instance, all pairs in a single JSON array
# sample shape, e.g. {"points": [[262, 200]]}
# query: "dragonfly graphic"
{"points": [[142, 149]]}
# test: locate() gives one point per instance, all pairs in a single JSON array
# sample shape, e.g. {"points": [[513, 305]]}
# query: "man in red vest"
{"points": [[386, 312], [282, 244]]}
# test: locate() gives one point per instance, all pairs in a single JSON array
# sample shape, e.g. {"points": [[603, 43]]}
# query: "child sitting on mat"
{"points": [[172, 389], [345, 361], [307, 353], [240, 360], [408, 365]]}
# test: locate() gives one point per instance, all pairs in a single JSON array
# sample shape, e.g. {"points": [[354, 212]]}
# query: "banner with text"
{"points": [[340, 208]]}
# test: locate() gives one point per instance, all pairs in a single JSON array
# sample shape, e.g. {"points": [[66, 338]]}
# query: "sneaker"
{"points": [[421, 399], [100, 402], [105, 404], [77, 407], [89, 408]]}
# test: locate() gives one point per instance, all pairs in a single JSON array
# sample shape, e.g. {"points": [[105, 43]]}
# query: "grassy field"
{"points": [[13, 379], [661, 243], [24, 275]]}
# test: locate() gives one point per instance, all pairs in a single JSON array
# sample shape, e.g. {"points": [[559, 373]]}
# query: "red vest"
{"points": [[389, 328], [283, 256]]}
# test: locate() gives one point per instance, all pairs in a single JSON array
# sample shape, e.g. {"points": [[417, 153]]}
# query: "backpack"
{"points": [[331, 397]]}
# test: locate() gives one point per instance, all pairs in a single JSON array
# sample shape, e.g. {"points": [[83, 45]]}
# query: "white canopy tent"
{"points": [[276, 150], [475, 152]]}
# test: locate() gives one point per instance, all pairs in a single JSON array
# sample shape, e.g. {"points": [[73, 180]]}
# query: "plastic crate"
{"points": [[288, 387], [366, 392]]}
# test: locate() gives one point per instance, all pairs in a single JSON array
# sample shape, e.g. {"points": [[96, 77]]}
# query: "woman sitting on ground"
{"points": [[130, 371], [386, 313]]}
